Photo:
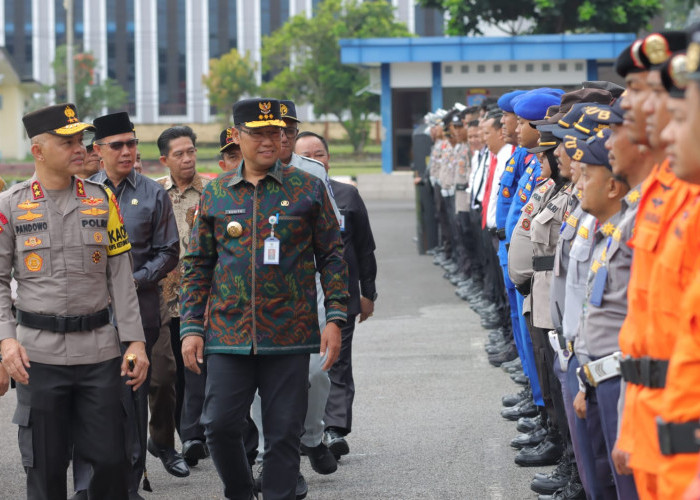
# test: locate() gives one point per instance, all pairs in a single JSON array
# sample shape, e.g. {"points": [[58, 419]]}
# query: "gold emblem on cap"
{"points": [[234, 229], [284, 203], [677, 70], [655, 47], [70, 114], [693, 57], [283, 109], [266, 109]]}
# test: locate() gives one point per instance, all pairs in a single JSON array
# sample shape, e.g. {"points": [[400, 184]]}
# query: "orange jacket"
{"points": [[663, 197]]}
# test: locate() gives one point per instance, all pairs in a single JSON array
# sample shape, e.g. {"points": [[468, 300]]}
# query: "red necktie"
{"points": [[487, 190]]}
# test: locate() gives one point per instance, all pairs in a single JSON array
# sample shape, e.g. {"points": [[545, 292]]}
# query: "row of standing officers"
{"points": [[568, 221]]}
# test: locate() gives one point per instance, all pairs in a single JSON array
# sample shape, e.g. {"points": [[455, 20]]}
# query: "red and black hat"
{"points": [[226, 140]]}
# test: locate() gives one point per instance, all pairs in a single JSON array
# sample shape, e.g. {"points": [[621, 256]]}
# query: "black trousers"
{"points": [[550, 385], [179, 373], [445, 237], [478, 270], [342, 393], [283, 384], [75, 405]]}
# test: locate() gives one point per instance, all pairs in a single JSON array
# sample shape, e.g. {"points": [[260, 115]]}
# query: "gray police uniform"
{"points": [[604, 312], [70, 256]]}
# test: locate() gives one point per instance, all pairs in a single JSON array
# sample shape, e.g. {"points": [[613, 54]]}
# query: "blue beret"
{"points": [[533, 105], [504, 102], [591, 150]]}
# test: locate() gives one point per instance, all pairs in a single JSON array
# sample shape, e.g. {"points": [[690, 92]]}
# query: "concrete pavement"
{"points": [[426, 418]]}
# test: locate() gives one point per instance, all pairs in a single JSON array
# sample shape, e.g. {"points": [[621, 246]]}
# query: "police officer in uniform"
{"points": [[66, 243]]}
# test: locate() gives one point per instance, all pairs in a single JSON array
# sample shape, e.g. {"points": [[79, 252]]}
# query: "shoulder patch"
{"points": [[79, 188]]}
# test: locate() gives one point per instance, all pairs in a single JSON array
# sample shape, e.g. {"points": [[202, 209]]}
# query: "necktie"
{"points": [[487, 190]]}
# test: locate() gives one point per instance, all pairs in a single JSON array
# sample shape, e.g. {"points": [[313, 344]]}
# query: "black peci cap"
{"points": [[113, 124]]}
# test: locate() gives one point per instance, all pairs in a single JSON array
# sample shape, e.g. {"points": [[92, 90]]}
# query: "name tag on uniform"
{"points": [[272, 251], [598, 287], [342, 222]]}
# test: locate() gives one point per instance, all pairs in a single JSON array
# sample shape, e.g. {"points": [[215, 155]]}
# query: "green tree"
{"points": [[90, 97], [547, 16], [304, 56], [230, 76]]}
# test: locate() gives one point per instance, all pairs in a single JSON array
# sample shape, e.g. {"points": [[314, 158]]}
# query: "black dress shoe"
{"points": [[514, 399], [529, 440], [548, 484], [508, 354], [172, 461], [194, 450], [525, 408], [508, 366], [520, 378], [321, 459], [336, 443], [496, 347], [572, 491], [527, 424], [302, 488], [545, 453]]}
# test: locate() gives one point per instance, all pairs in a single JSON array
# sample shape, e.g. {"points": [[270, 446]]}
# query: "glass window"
{"points": [[223, 31], [18, 34], [172, 78], [78, 24], [120, 48], [273, 14]]}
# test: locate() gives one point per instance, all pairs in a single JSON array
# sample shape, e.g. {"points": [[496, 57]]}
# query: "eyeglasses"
{"points": [[118, 145], [290, 132], [260, 135]]}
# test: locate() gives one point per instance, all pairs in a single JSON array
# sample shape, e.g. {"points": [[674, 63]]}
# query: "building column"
{"points": [[95, 35], [436, 91], [197, 43], [43, 41], [146, 60], [591, 69], [387, 127]]}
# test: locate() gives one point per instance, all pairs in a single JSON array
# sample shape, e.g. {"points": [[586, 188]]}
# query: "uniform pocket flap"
{"points": [[34, 242], [21, 416], [95, 237]]}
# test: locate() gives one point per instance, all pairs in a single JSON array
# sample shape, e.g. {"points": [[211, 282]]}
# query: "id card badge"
{"points": [[601, 277], [342, 222], [272, 251]]}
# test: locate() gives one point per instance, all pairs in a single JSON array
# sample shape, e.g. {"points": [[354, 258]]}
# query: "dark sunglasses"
{"points": [[118, 145]]}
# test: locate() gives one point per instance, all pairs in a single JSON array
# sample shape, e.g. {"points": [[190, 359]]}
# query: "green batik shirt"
{"points": [[251, 306]]}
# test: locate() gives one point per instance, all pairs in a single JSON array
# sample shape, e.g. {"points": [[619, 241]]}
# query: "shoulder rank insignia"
{"points": [[93, 211], [583, 232], [528, 186], [79, 188], [506, 192], [608, 229], [30, 216], [3, 219], [509, 169], [92, 201], [633, 196], [37, 193], [27, 205], [572, 220]]}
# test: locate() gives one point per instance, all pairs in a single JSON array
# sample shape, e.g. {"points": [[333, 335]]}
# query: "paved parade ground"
{"points": [[426, 415]]}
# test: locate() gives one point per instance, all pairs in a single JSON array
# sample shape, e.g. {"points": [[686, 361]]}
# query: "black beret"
{"points": [[674, 75]]}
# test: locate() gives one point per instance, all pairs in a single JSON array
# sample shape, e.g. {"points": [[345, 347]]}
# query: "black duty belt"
{"points": [[63, 324], [645, 371], [501, 233], [545, 263], [677, 438]]}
